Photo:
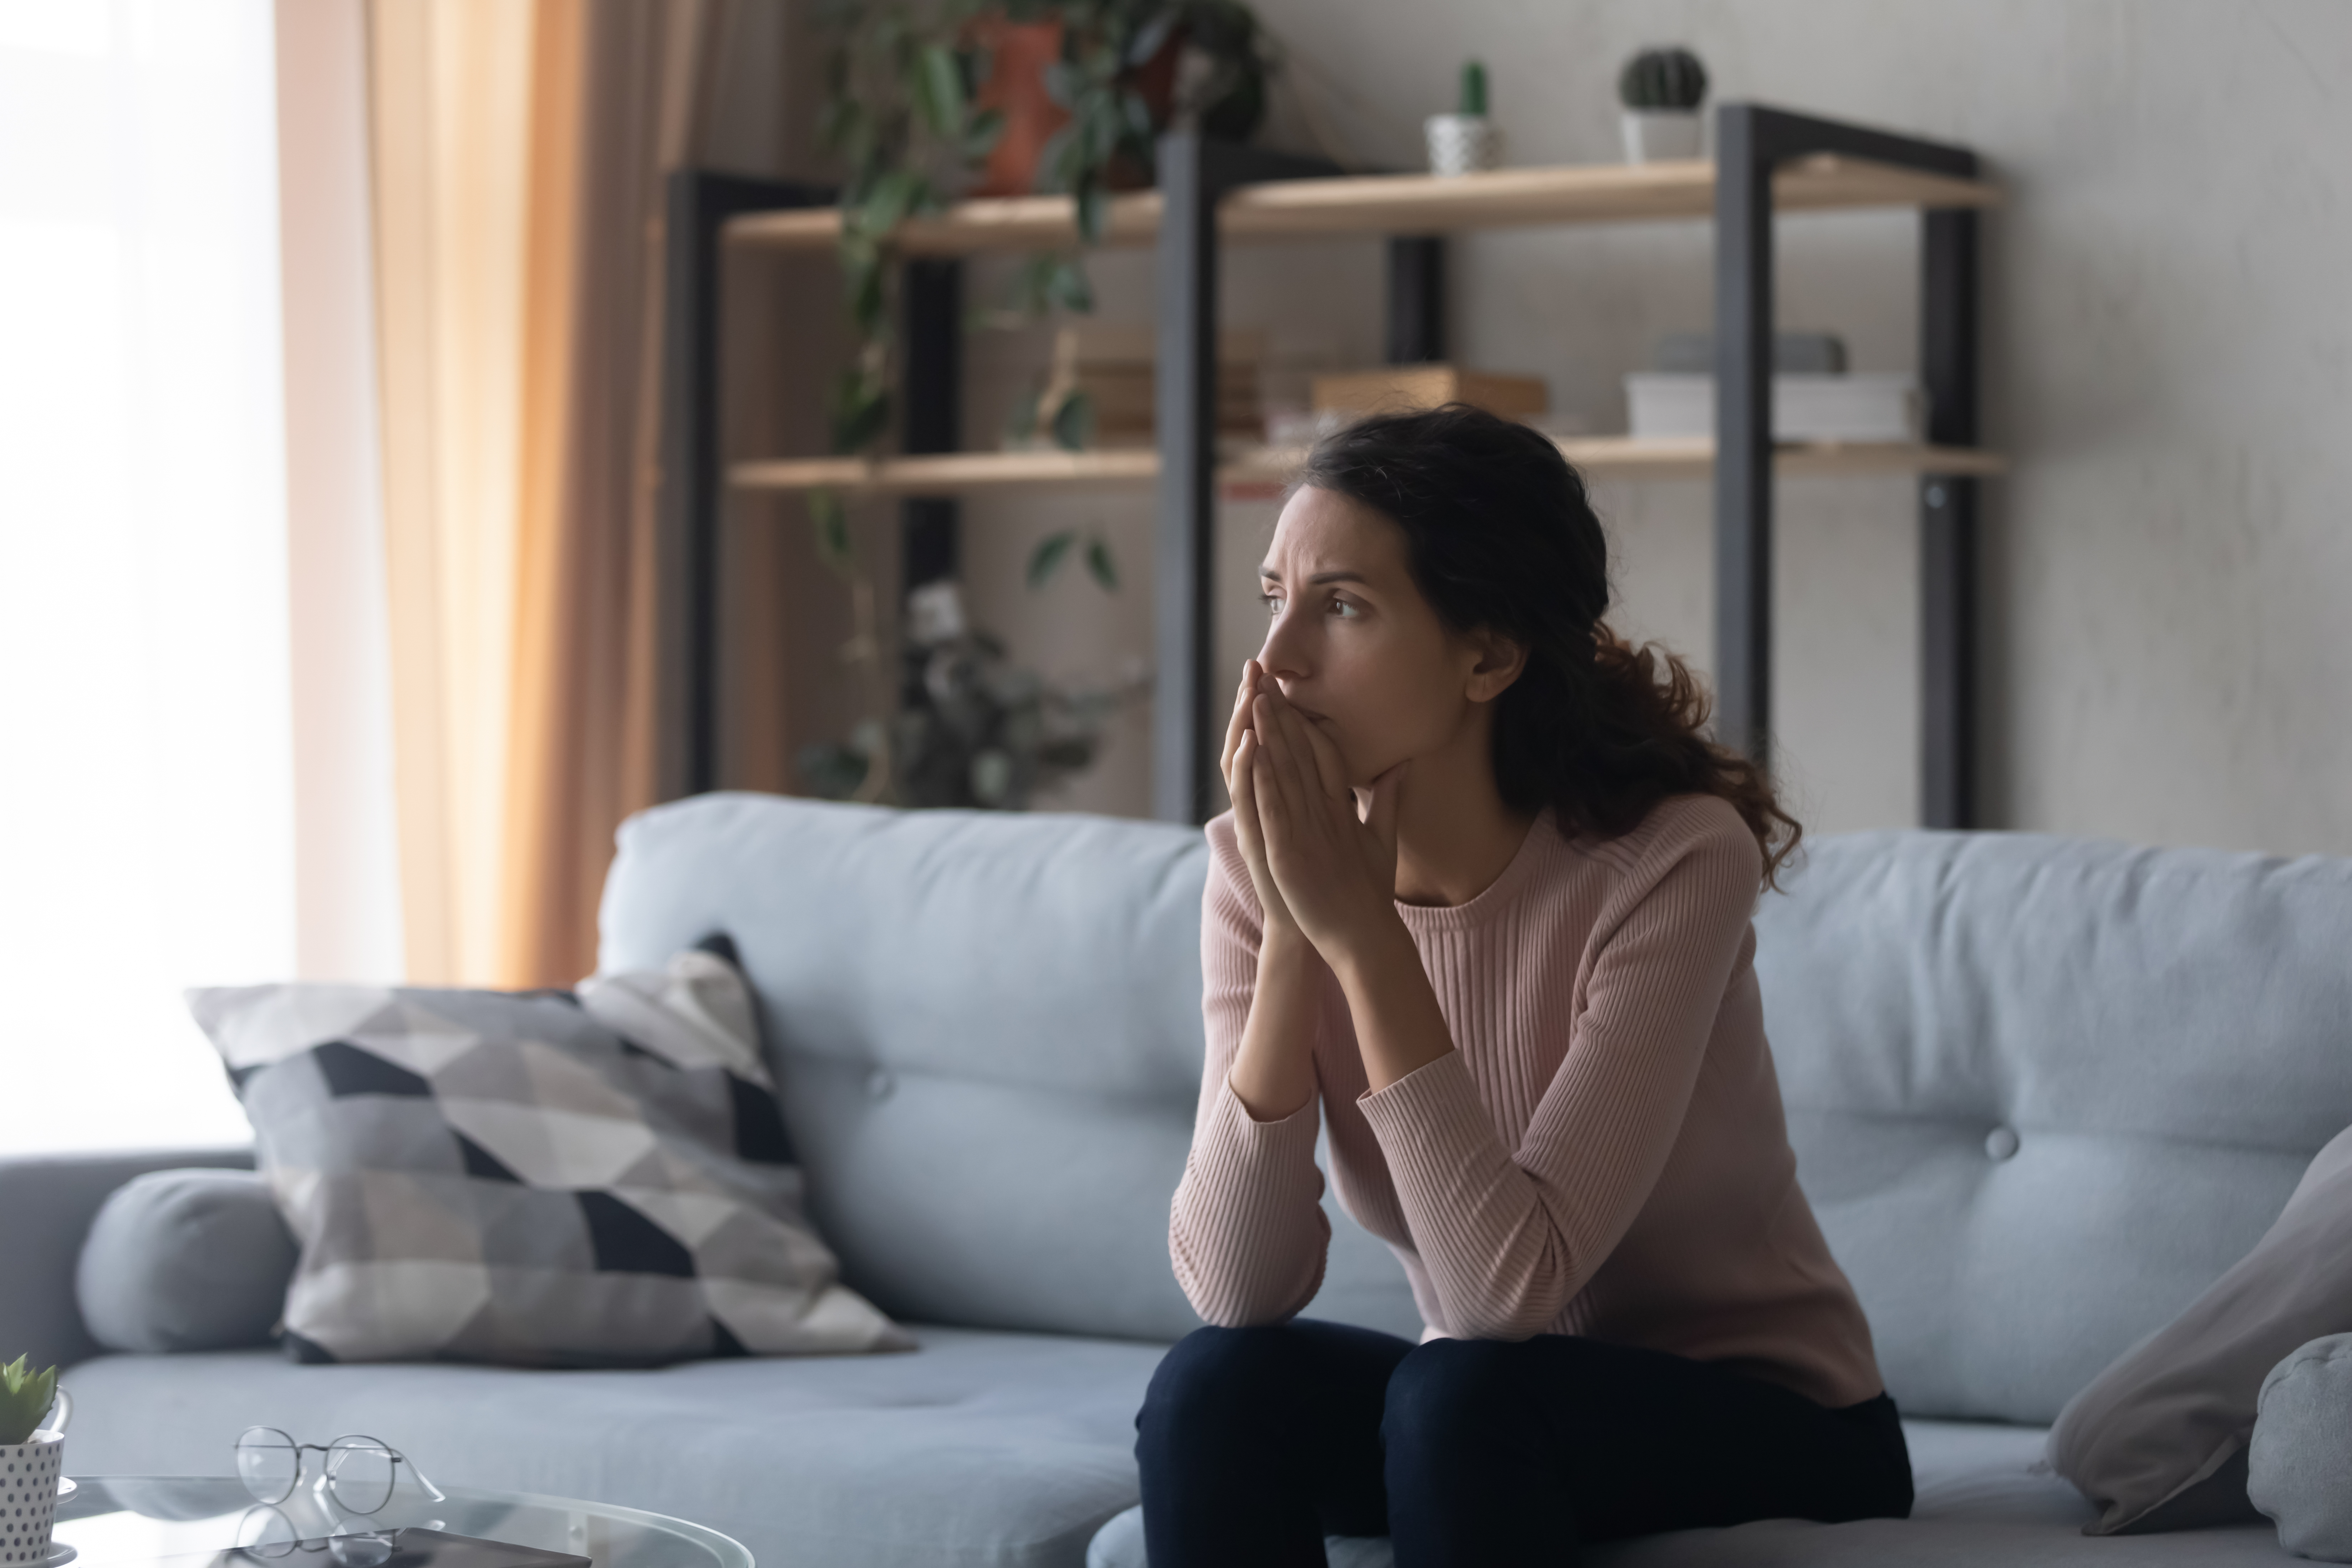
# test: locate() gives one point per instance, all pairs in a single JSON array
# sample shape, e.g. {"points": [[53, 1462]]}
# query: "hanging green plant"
{"points": [[903, 112], [1056, 548]]}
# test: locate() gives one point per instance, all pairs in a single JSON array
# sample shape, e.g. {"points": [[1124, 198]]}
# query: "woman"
{"points": [[1484, 894]]}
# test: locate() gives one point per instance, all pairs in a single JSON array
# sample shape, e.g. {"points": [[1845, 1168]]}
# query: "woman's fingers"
{"points": [[1275, 822], [1277, 782], [1240, 722], [1247, 828], [1330, 769], [1299, 757]]}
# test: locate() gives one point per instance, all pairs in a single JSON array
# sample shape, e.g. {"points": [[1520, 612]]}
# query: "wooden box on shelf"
{"points": [[1397, 388]]}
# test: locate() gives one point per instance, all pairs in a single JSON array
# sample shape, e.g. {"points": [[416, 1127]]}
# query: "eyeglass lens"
{"points": [[269, 1463], [370, 1550], [264, 1532], [359, 1473]]}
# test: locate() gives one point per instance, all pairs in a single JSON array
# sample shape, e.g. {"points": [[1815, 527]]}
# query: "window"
{"points": [[146, 772]]}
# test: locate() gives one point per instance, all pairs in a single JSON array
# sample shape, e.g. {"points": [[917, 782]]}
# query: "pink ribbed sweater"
{"points": [[1602, 1153]]}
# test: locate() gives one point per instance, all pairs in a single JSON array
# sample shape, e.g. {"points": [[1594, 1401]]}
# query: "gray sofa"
{"points": [[2042, 1091]]}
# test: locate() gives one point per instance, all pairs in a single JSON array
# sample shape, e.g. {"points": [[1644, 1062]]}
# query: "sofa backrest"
{"points": [[987, 1038], [2043, 1090]]}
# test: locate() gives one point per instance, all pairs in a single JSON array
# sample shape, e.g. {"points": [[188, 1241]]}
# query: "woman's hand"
{"points": [[1328, 850], [1240, 753]]}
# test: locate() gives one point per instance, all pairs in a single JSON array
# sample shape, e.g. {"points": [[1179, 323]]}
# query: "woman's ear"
{"points": [[1500, 661]]}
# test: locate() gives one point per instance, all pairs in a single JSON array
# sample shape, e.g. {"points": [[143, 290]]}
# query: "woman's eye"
{"points": [[1344, 610], [1273, 603]]}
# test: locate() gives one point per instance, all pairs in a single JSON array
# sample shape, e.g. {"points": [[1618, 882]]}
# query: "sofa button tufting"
{"points": [[879, 1084], [2000, 1142]]}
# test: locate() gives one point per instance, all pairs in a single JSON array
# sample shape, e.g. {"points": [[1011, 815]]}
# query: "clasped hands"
{"points": [[1322, 852]]}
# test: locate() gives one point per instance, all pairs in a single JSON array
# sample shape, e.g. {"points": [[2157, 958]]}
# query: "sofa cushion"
{"points": [[986, 1032], [538, 1178], [981, 1451], [2045, 1091], [2302, 1449], [186, 1259], [2160, 1436]]}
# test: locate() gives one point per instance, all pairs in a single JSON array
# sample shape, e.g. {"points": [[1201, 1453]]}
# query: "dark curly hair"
{"points": [[1502, 537]]}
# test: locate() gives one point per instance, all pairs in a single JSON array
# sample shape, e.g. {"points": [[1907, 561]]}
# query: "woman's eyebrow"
{"points": [[1271, 575]]}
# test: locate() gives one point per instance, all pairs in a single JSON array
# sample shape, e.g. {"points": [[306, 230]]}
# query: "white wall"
{"points": [[2169, 362]]}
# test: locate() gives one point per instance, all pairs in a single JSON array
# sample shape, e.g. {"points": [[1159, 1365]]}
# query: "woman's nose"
{"points": [[1282, 656]]}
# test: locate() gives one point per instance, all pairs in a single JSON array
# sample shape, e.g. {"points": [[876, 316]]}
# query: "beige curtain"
{"points": [[519, 149]]}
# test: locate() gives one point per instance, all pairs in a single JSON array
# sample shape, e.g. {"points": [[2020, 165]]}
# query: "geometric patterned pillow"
{"points": [[536, 1178]]}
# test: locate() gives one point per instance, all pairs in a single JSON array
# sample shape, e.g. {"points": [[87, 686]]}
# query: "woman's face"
{"points": [[1355, 647]]}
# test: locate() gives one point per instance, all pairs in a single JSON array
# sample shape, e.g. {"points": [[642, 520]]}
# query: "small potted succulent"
{"points": [[1465, 140], [1661, 90], [30, 1460]]}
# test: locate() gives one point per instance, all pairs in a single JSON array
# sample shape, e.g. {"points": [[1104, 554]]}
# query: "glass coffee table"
{"points": [[214, 1523]]}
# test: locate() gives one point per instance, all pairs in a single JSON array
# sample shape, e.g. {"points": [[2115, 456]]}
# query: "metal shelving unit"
{"points": [[1768, 162]]}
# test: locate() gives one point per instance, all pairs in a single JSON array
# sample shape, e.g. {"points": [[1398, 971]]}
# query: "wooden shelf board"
{"points": [[1600, 458], [1393, 204]]}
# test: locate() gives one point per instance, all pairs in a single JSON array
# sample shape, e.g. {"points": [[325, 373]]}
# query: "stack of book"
{"points": [[1814, 396], [1113, 363]]}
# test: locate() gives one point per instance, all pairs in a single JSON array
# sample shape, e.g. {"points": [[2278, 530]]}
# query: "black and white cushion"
{"points": [[590, 1179]]}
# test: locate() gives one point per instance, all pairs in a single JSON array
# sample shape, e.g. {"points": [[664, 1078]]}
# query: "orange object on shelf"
{"points": [[1019, 52]]}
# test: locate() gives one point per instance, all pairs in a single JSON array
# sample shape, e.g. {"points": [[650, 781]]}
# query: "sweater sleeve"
{"points": [[1510, 1236], [1246, 1232]]}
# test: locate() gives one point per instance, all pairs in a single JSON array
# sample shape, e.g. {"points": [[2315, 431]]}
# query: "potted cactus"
{"points": [[1661, 91], [29, 1461], [1465, 140]]}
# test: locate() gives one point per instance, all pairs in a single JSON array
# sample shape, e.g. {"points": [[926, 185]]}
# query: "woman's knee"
{"points": [[1215, 1375], [1455, 1396]]}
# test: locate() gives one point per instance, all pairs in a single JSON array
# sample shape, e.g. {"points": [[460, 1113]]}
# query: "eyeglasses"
{"points": [[358, 1473]]}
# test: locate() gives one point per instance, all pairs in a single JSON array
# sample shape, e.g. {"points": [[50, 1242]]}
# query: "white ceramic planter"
{"points": [[1656, 135], [28, 1497], [1462, 144]]}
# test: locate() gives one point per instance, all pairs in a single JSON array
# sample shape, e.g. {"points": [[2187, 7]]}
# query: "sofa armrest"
{"points": [[47, 1203]]}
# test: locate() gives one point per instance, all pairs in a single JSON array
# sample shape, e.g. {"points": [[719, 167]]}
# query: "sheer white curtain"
{"points": [[146, 758]]}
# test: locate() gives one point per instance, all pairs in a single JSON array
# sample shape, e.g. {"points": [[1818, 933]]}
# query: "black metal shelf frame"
{"points": [[1194, 175]]}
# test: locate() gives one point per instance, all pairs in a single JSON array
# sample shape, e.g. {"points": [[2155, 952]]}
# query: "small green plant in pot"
{"points": [[1661, 91], [31, 1459], [25, 1398]]}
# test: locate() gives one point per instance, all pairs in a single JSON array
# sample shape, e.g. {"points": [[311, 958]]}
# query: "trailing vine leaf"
{"points": [[888, 201], [1099, 562], [1154, 34], [858, 408], [1074, 422], [1046, 559], [981, 138], [939, 92], [829, 518], [1066, 284], [1035, 293], [862, 276]]}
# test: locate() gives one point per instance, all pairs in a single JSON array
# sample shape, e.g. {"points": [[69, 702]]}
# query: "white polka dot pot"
{"points": [[28, 1498]]}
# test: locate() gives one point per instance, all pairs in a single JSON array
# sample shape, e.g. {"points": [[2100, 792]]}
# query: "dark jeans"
{"points": [[1257, 1443]]}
